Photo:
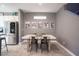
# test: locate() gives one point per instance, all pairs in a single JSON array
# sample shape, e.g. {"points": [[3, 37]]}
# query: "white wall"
{"points": [[3, 19], [21, 22], [67, 30]]}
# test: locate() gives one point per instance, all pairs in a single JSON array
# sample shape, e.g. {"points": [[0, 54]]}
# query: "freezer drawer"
{"points": [[11, 39]]}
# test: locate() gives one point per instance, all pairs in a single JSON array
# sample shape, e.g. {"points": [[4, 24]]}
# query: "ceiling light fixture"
{"points": [[40, 4], [39, 17]]}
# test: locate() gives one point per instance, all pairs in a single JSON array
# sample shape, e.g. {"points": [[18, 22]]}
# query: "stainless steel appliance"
{"points": [[11, 32]]}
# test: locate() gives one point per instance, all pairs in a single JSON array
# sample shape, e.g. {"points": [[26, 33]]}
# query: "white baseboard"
{"points": [[65, 49]]}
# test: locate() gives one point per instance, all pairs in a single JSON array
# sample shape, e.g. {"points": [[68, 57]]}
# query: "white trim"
{"points": [[65, 49]]}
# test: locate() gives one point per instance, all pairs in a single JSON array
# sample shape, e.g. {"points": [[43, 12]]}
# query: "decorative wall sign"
{"points": [[40, 24]]}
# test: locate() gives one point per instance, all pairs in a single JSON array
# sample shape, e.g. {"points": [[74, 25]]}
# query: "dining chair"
{"points": [[44, 44], [34, 44]]}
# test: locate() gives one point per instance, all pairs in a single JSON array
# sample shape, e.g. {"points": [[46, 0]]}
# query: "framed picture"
{"points": [[34, 25], [52, 25], [40, 25], [27, 24]]}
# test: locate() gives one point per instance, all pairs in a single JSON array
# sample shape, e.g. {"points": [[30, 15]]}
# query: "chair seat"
{"points": [[34, 44], [34, 47], [44, 44]]}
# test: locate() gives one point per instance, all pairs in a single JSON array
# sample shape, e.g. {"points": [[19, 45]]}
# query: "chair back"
{"points": [[33, 40], [44, 40]]}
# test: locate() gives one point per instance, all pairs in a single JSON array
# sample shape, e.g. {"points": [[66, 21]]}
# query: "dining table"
{"points": [[29, 36], [39, 38]]}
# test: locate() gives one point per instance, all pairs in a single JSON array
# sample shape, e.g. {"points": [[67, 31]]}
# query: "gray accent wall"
{"points": [[25, 17], [67, 30], [29, 17]]}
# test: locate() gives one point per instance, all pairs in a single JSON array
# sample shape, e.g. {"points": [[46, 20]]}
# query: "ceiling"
{"points": [[31, 7]]}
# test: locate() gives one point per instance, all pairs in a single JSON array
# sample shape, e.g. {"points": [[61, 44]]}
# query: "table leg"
{"points": [[49, 45]]}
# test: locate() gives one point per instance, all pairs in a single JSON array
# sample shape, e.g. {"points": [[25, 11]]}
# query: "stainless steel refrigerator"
{"points": [[11, 32]]}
